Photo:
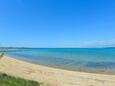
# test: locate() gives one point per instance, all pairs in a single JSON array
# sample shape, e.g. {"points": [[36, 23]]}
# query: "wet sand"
{"points": [[48, 76]]}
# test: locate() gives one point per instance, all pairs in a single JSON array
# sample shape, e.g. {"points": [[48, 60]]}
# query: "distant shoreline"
{"points": [[48, 47]]}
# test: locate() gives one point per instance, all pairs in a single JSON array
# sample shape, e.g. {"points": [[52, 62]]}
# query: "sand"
{"points": [[51, 76]]}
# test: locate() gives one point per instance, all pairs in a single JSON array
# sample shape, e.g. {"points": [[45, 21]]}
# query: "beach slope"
{"points": [[51, 76]]}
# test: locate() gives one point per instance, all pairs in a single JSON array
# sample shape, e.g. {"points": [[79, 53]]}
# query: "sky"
{"points": [[57, 23]]}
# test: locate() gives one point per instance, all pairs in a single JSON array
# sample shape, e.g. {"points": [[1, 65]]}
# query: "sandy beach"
{"points": [[51, 76]]}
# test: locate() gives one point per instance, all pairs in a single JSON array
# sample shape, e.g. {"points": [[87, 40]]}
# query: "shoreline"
{"points": [[49, 76], [84, 70]]}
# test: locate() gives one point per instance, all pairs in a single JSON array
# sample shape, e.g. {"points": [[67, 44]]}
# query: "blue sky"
{"points": [[57, 23]]}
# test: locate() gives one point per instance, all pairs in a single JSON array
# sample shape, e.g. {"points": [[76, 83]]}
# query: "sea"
{"points": [[98, 60]]}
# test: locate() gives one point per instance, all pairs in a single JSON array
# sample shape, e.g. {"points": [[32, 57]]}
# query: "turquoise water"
{"points": [[78, 59]]}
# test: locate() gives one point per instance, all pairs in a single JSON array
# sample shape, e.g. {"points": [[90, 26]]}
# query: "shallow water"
{"points": [[80, 59]]}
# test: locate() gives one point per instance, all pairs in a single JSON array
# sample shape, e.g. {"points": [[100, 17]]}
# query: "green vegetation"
{"points": [[6, 80]]}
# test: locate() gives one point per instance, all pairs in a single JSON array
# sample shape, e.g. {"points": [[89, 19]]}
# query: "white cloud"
{"points": [[99, 43]]}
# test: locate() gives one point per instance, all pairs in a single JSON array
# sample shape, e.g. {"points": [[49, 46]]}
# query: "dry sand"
{"points": [[51, 76]]}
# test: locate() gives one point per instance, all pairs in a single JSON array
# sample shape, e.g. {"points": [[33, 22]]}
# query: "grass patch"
{"points": [[6, 80]]}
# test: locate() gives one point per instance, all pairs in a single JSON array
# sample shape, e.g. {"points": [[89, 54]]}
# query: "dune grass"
{"points": [[6, 80]]}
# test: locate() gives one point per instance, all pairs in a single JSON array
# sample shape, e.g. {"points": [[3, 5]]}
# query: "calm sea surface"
{"points": [[77, 59]]}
